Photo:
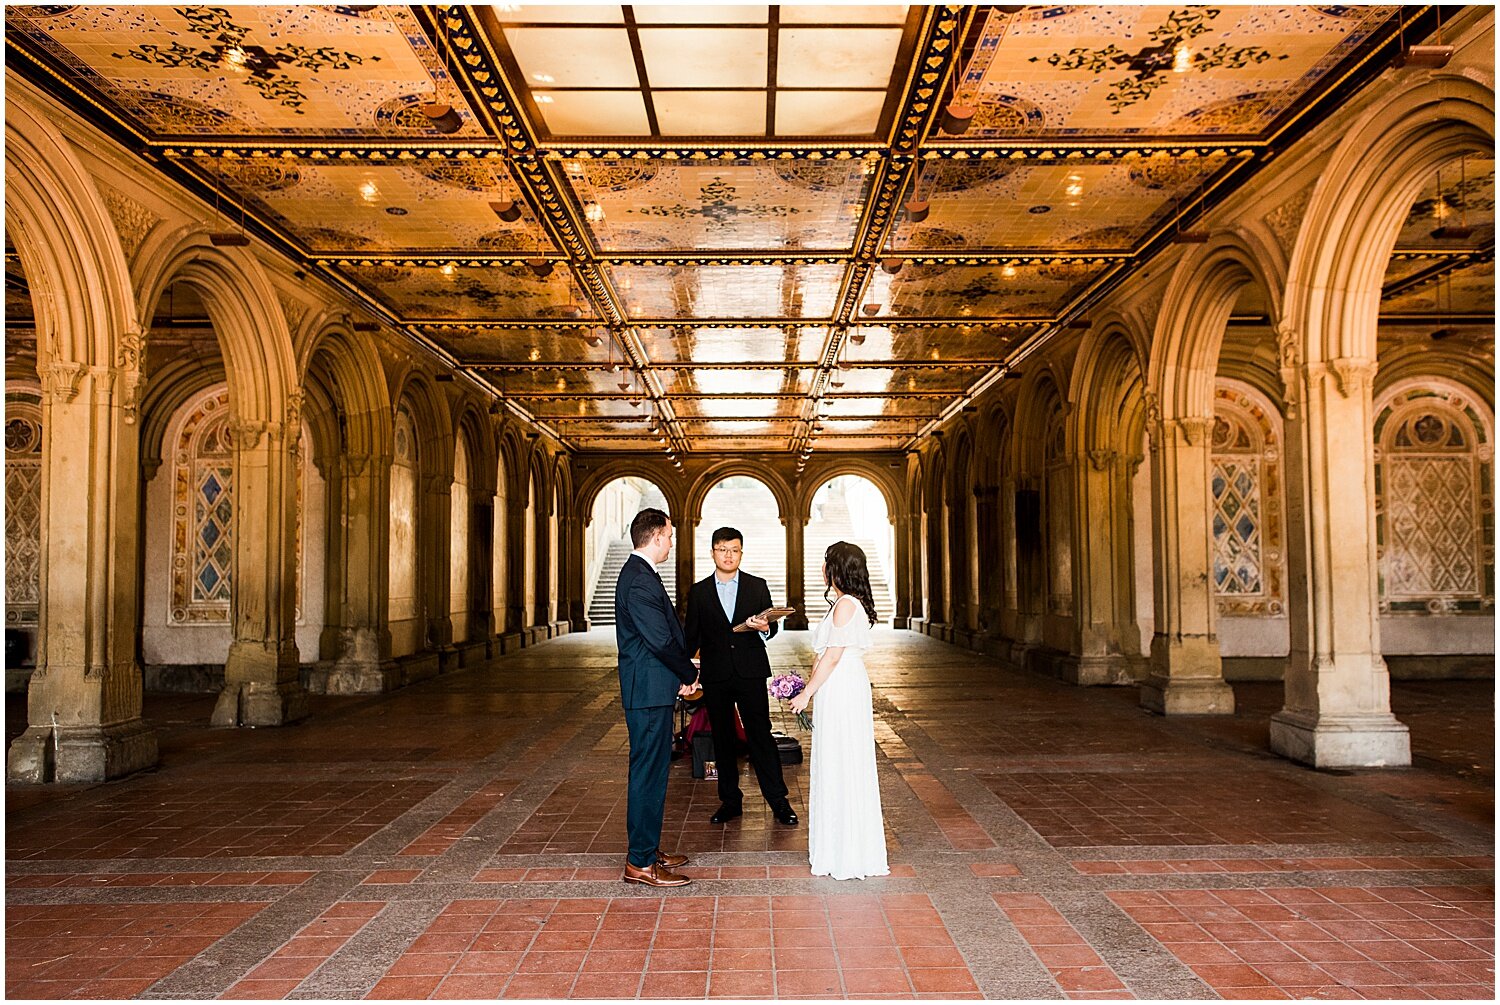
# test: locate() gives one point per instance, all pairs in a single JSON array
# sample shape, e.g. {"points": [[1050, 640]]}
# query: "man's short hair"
{"points": [[645, 525], [727, 534]]}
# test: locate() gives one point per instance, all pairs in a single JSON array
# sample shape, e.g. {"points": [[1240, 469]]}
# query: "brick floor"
{"points": [[462, 838]]}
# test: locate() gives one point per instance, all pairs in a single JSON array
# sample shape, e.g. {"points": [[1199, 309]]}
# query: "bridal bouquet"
{"points": [[787, 686]]}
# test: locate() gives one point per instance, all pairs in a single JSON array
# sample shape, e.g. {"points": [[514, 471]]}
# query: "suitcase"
{"points": [[789, 747]]}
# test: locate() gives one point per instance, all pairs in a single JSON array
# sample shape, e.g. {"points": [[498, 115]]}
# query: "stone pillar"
{"points": [[516, 615], [541, 609], [1338, 707], [1186, 676], [1101, 570], [796, 590], [988, 594], [901, 617], [573, 572], [481, 564], [360, 566], [436, 530], [84, 700], [262, 681], [684, 552]]}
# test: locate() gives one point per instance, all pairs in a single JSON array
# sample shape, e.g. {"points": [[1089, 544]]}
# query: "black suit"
{"points": [[734, 672], [653, 664]]}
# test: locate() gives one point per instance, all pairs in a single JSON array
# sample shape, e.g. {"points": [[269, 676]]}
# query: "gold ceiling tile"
{"points": [[727, 291], [451, 292]]}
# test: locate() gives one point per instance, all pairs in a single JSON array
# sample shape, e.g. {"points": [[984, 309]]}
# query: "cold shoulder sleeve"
{"points": [[853, 634]]}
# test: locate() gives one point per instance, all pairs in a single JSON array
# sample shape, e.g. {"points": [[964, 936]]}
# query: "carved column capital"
{"points": [[246, 433], [1353, 374], [61, 379], [1100, 460], [1196, 429], [1289, 357]]}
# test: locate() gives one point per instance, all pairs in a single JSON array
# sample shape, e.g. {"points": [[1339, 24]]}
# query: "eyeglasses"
{"points": [[727, 551]]}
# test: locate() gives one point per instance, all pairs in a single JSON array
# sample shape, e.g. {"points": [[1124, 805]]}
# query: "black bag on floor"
{"points": [[789, 747]]}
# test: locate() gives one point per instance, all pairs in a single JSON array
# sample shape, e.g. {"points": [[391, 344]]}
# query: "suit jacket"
{"points": [[726, 653], [654, 662]]}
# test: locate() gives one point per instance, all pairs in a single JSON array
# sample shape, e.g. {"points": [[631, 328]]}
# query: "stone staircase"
{"points": [[602, 607], [833, 524], [749, 511]]}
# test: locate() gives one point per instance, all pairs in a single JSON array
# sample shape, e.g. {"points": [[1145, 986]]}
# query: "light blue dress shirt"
{"points": [[729, 593]]}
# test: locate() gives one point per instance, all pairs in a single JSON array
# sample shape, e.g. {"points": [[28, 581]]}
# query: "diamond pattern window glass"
{"points": [[1434, 506], [23, 507], [1245, 494], [203, 526]]}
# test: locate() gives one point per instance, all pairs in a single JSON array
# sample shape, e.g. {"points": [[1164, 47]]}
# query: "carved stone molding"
{"points": [[246, 433], [1196, 429], [1285, 219], [132, 220], [1100, 460], [128, 355], [1289, 353], [61, 380], [1351, 374], [294, 309]]}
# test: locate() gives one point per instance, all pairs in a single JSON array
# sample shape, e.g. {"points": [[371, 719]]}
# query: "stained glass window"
{"points": [[1434, 508], [1245, 495], [23, 507]]}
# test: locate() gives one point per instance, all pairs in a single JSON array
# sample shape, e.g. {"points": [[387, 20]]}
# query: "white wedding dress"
{"points": [[845, 828]]}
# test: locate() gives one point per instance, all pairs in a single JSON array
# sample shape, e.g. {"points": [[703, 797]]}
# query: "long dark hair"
{"points": [[844, 566]]}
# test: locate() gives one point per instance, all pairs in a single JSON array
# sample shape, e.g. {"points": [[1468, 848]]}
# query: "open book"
{"points": [[770, 614]]}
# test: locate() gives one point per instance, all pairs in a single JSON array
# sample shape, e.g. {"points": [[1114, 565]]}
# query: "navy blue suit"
{"points": [[654, 663]]}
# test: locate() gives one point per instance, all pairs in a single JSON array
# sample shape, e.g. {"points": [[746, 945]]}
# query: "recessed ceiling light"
{"points": [[544, 99], [545, 78], [235, 57], [396, 210], [1008, 272], [1040, 209], [369, 191], [594, 212], [1182, 59], [448, 269]]}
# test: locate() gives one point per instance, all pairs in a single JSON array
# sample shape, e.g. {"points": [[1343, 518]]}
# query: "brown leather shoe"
{"points": [[653, 875], [670, 861]]}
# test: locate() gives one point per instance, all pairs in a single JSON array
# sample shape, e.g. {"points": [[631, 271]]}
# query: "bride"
{"points": [[846, 832]]}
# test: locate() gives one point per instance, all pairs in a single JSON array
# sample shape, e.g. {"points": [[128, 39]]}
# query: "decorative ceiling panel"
{"points": [[475, 293], [867, 427], [1086, 70], [523, 345], [916, 345], [1461, 196], [690, 409], [837, 406], [824, 441], [658, 206], [351, 207], [249, 71], [962, 291], [924, 379], [603, 414], [785, 290], [686, 343], [540, 381], [725, 381], [694, 70], [1466, 288], [1080, 205], [764, 444]]}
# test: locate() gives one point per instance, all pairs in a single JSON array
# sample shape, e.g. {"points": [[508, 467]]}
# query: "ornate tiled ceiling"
{"points": [[708, 247]]}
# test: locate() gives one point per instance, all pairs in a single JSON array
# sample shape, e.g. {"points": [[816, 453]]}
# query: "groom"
{"points": [[735, 669], [655, 668]]}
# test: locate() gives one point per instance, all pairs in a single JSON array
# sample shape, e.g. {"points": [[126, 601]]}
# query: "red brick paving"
{"points": [[1157, 867], [1059, 947], [108, 950], [309, 949], [1297, 942]]}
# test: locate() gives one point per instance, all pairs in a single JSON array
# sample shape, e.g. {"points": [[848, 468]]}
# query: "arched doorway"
{"points": [[606, 543], [850, 508], [749, 506]]}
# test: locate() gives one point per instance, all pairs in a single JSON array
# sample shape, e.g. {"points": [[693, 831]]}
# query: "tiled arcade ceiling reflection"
{"points": [[703, 193]]}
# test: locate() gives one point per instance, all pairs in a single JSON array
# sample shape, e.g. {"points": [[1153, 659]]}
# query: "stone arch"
{"points": [[1107, 391], [242, 305], [590, 485], [352, 366], [890, 486], [80, 283], [693, 504], [1359, 201], [1195, 312], [433, 421]]}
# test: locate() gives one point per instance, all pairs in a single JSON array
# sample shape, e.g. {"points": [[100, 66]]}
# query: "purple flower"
{"points": [[786, 687]]}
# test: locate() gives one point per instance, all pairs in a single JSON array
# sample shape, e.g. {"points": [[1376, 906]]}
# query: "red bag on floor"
{"points": [[699, 724]]}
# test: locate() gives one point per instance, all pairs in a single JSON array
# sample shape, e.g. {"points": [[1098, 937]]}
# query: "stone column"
{"points": [[262, 682], [84, 700], [572, 573], [988, 594], [541, 608], [796, 592], [362, 659], [516, 615], [1338, 707], [1186, 676], [1101, 575], [901, 617], [481, 569], [436, 529], [684, 553]]}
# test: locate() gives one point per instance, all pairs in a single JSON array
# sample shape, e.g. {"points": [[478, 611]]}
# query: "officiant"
{"points": [[734, 672]]}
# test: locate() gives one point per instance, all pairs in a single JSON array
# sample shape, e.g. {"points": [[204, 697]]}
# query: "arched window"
{"points": [[23, 507], [459, 543], [500, 564], [1245, 495], [1434, 506], [403, 532], [1059, 519], [203, 513]]}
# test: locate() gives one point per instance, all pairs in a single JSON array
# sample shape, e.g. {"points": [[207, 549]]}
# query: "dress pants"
{"points": [[646, 796], [755, 712]]}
